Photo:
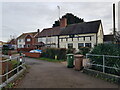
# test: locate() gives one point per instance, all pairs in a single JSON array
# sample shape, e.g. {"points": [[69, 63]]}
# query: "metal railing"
{"points": [[103, 64], [11, 68]]}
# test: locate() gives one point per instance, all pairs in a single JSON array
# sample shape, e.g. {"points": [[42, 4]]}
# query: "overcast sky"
{"points": [[22, 17]]}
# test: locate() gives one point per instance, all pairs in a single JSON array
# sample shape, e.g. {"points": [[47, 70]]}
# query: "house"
{"points": [[26, 40], [12, 43], [108, 38], [111, 39], [85, 34], [49, 37]]}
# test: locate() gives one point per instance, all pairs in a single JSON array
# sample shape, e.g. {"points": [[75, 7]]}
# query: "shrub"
{"points": [[106, 49], [70, 50], [52, 52], [84, 50]]}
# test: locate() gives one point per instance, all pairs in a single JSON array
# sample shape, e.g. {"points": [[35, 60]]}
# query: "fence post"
{"points": [[103, 63], [7, 72], [18, 64]]}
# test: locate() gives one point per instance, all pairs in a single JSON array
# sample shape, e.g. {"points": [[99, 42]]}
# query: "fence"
{"points": [[10, 69], [104, 59]]}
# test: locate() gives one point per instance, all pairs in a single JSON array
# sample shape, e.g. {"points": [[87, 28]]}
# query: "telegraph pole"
{"points": [[114, 32], [59, 23]]}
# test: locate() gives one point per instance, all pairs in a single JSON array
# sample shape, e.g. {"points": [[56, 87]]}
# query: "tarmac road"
{"points": [[43, 74]]}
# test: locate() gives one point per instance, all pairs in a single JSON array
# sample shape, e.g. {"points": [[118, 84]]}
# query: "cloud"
{"points": [[19, 17]]}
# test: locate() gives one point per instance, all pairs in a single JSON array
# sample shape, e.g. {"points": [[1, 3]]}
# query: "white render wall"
{"points": [[49, 40], [100, 34], [22, 43], [64, 43]]}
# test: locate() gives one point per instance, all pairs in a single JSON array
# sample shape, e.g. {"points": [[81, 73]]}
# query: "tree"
{"points": [[71, 19]]}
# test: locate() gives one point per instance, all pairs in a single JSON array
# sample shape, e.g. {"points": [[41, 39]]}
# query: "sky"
{"points": [[22, 17]]}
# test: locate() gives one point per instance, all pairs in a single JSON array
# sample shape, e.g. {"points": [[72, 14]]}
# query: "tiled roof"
{"points": [[49, 32], [24, 34], [82, 28]]}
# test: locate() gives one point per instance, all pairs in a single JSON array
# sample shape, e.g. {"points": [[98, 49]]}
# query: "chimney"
{"points": [[63, 22], [38, 31]]}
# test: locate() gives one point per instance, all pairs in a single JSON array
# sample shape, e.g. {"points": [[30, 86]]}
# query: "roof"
{"points": [[82, 28], [12, 41], [24, 34], [108, 37], [55, 31]]}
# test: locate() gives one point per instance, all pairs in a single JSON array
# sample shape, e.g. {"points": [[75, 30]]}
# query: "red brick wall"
{"points": [[34, 55], [31, 42]]}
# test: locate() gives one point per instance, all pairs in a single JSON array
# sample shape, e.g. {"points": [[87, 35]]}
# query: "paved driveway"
{"points": [[43, 74]]}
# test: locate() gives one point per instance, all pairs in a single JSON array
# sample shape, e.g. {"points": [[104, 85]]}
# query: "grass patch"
{"points": [[50, 60]]}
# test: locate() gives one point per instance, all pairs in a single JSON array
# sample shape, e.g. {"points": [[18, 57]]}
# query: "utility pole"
{"points": [[114, 32], [59, 24]]}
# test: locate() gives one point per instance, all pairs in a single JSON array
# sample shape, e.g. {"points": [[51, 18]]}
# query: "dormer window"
{"points": [[28, 40], [71, 36]]}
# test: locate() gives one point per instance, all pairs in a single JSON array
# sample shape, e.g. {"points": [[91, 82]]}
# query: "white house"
{"points": [[86, 34], [49, 37]]}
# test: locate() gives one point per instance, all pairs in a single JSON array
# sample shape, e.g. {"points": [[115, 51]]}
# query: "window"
{"points": [[20, 40], [80, 45], [70, 45], [28, 39], [28, 45], [71, 36], [87, 44], [20, 46]]}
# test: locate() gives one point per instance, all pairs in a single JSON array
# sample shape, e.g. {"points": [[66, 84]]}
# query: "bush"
{"points": [[70, 50], [83, 50], [52, 52], [106, 49]]}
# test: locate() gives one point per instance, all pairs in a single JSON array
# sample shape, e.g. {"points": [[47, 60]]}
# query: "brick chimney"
{"points": [[63, 22]]}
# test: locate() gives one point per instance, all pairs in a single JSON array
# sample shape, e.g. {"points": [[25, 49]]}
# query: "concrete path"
{"points": [[43, 74]]}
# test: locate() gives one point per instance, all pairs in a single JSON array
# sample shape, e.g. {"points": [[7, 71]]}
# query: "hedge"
{"points": [[106, 49], [51, 53]]}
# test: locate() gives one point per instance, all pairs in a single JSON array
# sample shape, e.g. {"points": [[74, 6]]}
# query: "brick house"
{"points": [[26, 40]]}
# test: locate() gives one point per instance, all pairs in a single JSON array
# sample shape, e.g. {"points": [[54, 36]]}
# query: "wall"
{"points": [[64, 43], [31, 42], [100, 34], [49, 40], [20, 43]]}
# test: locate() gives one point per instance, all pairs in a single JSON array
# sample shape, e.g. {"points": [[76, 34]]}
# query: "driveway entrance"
{"points": [[43, 74]]}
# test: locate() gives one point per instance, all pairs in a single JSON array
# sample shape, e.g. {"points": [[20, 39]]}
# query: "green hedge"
{"points": [[52, 52], [106, 49], [83, 50]]}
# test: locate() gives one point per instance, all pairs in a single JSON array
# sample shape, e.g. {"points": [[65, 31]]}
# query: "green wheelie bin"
{"points": [[70, 59]]}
